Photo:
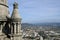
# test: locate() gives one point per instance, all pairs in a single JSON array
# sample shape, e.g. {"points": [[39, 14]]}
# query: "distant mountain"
{"points": [[41, 24], [44, 25], [48, 23]]}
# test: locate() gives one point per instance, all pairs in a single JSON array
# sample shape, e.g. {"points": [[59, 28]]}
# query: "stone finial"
{"points": [[15, 14], [15, 5]]}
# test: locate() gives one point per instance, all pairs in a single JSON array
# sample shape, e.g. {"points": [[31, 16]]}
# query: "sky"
{"points": [[37, 11]]}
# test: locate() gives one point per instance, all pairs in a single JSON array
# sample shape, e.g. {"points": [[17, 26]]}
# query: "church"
{"points": [[10, 26]]}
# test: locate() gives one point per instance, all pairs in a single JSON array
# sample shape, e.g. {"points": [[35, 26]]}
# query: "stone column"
{"points": [[41, 38], [14, 28], [1, 27], [9, 25], [11, 28], [19, 28], [11, 38], [3, 24]]}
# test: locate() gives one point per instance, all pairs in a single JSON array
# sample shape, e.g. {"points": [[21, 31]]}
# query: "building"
{"points": [[31, 35], [10, 27]]}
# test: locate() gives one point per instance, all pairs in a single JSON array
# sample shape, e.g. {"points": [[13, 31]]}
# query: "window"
{"points": [[13, 28]]}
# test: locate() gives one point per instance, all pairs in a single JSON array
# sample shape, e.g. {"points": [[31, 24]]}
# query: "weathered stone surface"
{"points": [[4, 12], [10, 27]]}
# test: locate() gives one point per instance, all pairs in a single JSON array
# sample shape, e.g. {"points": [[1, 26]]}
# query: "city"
{"points": [[39, 20], [41, 32]]}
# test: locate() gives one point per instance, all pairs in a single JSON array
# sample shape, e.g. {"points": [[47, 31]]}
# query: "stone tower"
{"points": [[3, 10], [16, 23], [10, 27], [4, 14]]}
